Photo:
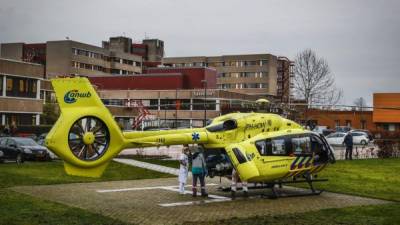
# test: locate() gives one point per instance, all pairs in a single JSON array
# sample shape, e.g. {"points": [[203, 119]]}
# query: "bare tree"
{"points": [[360, 103], [313, 80]]}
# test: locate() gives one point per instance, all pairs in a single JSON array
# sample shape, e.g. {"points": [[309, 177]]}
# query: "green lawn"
{"points": [[37, 173], [21, 209], [376, 178]]}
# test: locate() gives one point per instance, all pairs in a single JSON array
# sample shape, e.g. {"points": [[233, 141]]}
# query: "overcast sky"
{"points": [[359, 38]]}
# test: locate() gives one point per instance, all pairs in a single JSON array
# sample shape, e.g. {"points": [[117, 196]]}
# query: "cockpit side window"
{"points": [[262, 147], [301, 144], [272, 147], [278, 146], [319, 149], [317, 145]]}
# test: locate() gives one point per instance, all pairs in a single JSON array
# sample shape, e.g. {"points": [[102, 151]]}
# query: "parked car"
{"points": [[360, 137], [367, 133], [20, 149], [338, 138], [41, 142]]}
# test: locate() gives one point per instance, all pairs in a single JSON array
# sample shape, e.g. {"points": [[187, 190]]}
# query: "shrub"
{"points": [[388, 148]]}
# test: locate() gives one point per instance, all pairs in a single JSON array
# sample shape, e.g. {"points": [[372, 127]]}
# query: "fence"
{"points": [[359, 152]]}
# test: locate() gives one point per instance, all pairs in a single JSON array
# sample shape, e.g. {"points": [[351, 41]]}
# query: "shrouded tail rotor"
{"points": [[88, 138]]}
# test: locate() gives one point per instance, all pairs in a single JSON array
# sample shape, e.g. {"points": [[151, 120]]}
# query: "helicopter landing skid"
{"points": [[275, 193]]}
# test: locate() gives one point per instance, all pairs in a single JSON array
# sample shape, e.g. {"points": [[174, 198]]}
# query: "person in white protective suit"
{"points": [[235, 180], [183, 168]]}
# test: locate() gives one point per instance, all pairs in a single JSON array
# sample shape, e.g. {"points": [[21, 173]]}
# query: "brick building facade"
{"points": [[20, 92], [387, 111], [334, 118]]}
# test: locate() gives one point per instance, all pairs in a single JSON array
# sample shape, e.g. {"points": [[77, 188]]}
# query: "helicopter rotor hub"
{"points": [[88, 138]]}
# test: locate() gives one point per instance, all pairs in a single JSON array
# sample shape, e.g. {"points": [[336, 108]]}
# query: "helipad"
{"points": [[156, 201]]}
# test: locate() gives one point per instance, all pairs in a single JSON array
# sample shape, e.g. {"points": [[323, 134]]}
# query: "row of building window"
{"points": [[87, 66], [126, 61], [121, 72], [89, 54], [19, 87], [241, 86], [389, 126], [243, 74], [18, 119], [363, 123], [235, 63], [337, 123], [165, 104], [182, 104], [96, 55]]}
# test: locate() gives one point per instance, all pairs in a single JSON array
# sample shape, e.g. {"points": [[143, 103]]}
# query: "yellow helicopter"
{"points": [[262, 147]]}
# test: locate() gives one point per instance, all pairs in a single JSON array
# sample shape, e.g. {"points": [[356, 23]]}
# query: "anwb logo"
{"points": [[73, 95]]}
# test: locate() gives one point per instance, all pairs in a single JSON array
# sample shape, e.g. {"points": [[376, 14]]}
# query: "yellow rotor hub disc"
{"points": [[88, 138]]}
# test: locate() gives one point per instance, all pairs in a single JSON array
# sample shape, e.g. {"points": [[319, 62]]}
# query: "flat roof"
{"points": [[232, 55], [20, 61], [181, 68], [137, 75]]}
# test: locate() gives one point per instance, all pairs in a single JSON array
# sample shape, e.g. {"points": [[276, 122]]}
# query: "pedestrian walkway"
{"points": [[173, 151], [150, 166]]}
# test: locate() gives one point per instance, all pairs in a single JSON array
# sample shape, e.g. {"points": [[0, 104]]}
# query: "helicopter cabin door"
{"points": [[274, 157], [288, 155]]}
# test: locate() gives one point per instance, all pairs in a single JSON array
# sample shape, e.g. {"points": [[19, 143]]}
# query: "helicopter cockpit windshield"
{"points": [[223, 126]]}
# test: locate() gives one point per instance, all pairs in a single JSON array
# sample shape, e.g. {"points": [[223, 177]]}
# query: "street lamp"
{"points": [[205, 100]]}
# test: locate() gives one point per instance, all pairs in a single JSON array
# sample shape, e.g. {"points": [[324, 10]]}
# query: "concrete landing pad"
{"points": [[157, 201]]}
